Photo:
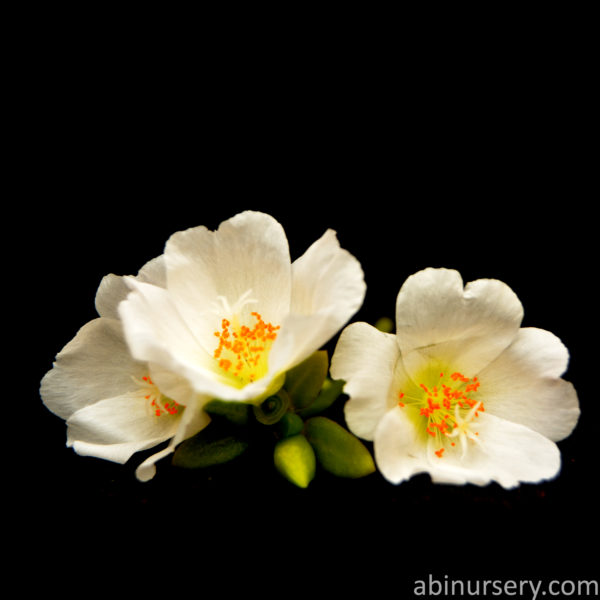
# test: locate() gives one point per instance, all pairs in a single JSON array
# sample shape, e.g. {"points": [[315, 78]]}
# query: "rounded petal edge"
{"points": [[94, 365], [523, 385], [365, 359], [113, 289], [468, 327]]}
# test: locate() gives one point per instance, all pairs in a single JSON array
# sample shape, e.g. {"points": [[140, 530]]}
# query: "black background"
{"points": [[479, 163]]}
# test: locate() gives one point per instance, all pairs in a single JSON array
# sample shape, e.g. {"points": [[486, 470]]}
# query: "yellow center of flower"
{"points": [[243, 350], [444, 409], [158, 403]]}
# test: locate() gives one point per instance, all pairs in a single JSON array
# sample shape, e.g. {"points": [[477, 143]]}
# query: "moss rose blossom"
{"points": [[461, 391], [111, 404], [236, 313], [220, 315]]}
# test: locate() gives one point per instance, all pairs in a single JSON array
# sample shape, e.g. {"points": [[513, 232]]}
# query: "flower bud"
{"points": [[295, 459], [290, 424], [337, 450]]}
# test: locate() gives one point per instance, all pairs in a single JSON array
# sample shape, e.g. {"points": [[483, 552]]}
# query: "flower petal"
{"points": [[399, 453], [328, 288], [365, 358], [113, 288], [193, 420], [327, 279], [147, 469], [508, 453], [523, 385], [116, 428], [157, 334], [176, 387], [154, 272], [94, 365], [111, 291], [154, 329], [248, 254], [467, 328]]}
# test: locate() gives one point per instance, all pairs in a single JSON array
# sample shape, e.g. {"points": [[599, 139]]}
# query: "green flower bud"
{"points": [[337, 450], [290, 424], [295, 459]]}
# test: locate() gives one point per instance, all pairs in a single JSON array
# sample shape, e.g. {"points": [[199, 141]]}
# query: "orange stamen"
{"points": [[455, 394], [247, 347]]}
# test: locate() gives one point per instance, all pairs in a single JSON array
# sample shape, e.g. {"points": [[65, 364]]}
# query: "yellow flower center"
{"points": [[242, 351], [444, 409]]}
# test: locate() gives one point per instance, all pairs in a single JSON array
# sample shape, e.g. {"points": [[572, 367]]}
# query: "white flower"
{"points": [[110, 402], [461, 391], [236, 313]]}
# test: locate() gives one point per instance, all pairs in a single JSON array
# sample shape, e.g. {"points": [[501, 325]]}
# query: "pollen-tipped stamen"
{"points": [[447, 409], [242, 351], [158, 403]]}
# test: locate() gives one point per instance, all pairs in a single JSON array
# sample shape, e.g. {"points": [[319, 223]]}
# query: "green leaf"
{"points": [[337, 450], [295, 459], [208, 448], [303, 383], [290, 424], [329, 393], [236, 412]]}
